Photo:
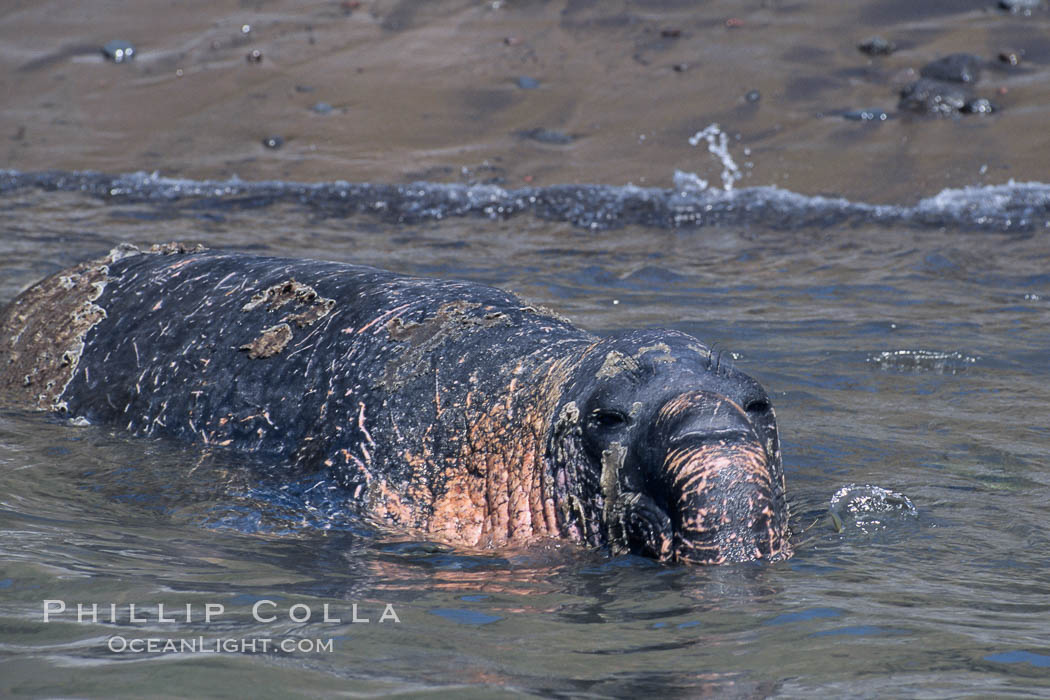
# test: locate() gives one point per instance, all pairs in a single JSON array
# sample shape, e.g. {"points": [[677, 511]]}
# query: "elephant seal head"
{"points": [[659, 448]]}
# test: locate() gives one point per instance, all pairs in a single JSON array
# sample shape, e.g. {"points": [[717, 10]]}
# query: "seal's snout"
{"points": [[721, 486], [723, 506]]}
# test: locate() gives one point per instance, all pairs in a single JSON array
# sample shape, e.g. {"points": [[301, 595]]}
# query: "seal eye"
{"points": [[606, 419]]}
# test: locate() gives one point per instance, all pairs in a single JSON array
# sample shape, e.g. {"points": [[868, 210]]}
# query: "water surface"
{"points": [[891, 294], [912, 359]]}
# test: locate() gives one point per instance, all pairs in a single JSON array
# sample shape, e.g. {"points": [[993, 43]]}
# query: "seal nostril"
{"points": [[758, 406], [710, 435]]}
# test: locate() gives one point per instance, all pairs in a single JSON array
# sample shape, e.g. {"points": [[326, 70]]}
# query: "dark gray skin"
{"points": [[447, 410]]}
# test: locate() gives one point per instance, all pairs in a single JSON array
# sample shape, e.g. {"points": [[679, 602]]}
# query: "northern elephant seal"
{"points": [[448, 409]]}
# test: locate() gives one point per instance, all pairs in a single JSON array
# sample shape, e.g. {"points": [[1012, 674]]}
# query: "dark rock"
{"points": [[118, 51], [671, 33], [866, 115], [979, 105], [527, 83], [1011, 57], [304, 88], [1024, 7], [956, 67], [877, 46], [935, 97], [547, 136], [680, 67], [273, 142], [254, 56], [753, 96]]}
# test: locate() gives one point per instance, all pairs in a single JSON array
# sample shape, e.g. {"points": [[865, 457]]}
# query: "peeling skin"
{"points": [[662, 348], [446, 409], [614, 364], [39, 355], [309, 306], [271, 341], [612, 466], [42, 331]]}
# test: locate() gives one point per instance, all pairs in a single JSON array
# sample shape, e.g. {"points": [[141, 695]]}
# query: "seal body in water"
{"points": [[446, 409]]}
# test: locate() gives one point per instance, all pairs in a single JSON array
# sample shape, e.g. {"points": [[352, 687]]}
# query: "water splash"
{"points": [[868, 508], [718, 145]]}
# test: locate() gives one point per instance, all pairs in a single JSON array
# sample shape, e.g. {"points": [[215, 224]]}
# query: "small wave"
{"points": [[923, 361], [689, 204]]}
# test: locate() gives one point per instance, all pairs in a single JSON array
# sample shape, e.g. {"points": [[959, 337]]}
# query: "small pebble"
{"points": [[978, 106], [246, 29], [866, 115], [527, 83], [877, 46], [254, 56], [547, 136], [118, 51], [273, 142], [934, 97], [1011, 57], [753, 96], [671, 33], [322, 108], [957, 67], [680, 67]]}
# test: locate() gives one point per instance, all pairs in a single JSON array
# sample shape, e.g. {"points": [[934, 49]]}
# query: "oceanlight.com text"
{"points": [[228, 645]]}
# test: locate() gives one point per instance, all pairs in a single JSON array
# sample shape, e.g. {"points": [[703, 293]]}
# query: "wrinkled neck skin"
{"points": [[660, 448]]}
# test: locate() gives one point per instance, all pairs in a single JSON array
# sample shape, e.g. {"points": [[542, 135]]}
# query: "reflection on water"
{"points": [[915, 361]]}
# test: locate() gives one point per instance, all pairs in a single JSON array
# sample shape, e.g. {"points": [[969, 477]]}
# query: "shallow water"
{"points": [[912, 359], [901, 324]]}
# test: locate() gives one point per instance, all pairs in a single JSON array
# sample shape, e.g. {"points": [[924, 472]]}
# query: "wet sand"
{"points": [[432, 91]]}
